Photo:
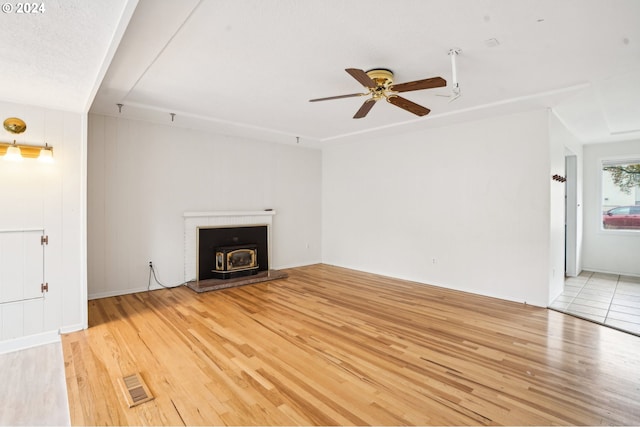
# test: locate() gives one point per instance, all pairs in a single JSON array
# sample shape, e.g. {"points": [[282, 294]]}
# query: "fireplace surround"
{"points": [[206, 233]]}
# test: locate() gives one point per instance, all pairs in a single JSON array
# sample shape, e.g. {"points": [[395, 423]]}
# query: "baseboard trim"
{"points": [[71, 328], [296, 265], [109, 294], [23, 343], [619, 273]]}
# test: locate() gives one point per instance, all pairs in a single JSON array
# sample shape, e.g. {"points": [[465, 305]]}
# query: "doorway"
{"points": [[571, 264]]}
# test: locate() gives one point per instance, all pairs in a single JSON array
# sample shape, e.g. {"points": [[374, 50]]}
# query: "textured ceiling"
{"points": [[249, 67], [53, 58]]}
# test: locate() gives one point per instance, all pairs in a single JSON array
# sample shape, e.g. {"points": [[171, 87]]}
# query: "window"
{"points": [[621, 195]]}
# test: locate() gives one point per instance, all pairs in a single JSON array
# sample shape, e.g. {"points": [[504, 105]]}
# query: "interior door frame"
{"points": [[571, 216]]}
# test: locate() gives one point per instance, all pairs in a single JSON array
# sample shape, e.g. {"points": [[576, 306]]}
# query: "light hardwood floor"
{"points": [[331, 346]]}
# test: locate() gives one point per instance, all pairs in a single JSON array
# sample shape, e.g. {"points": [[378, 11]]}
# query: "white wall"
{"points": [[609, 251], [556, 216], [465, 206], [36, 195], [144, 176]]}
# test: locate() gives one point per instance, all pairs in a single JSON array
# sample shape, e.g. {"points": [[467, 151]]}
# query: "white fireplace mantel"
{"points": [[193, 220], [228, 214]]}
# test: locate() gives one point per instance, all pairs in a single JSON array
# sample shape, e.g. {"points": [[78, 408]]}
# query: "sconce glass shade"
{"points": [[46, 155], [13, 154]]}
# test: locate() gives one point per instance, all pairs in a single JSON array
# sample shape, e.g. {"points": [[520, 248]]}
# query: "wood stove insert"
{"points": [[231, 252]]}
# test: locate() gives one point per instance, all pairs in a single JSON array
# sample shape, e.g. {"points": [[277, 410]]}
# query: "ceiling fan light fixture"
{"points": [[383, 77], [379, 84]]}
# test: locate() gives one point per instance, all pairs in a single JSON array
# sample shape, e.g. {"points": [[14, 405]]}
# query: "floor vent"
{"points": [[135, 390]]}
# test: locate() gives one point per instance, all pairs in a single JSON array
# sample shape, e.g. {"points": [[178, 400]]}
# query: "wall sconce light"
{"points": [[17, 152], [12, 153], [46, 154]]}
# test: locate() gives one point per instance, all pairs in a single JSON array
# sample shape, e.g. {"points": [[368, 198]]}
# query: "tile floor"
{"points": [[610, 299]]}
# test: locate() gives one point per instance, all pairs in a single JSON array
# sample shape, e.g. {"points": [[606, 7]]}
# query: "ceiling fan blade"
{"points": [[430, 83], [338, 97], [362, 77], [366, 107], [411, 107]]}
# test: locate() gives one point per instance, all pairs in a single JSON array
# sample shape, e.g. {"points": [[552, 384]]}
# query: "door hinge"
{"points": [[44, 287], [44, 240]]}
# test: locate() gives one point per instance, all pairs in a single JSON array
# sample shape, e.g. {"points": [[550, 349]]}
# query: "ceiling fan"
{"points": [[379, 83]]}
